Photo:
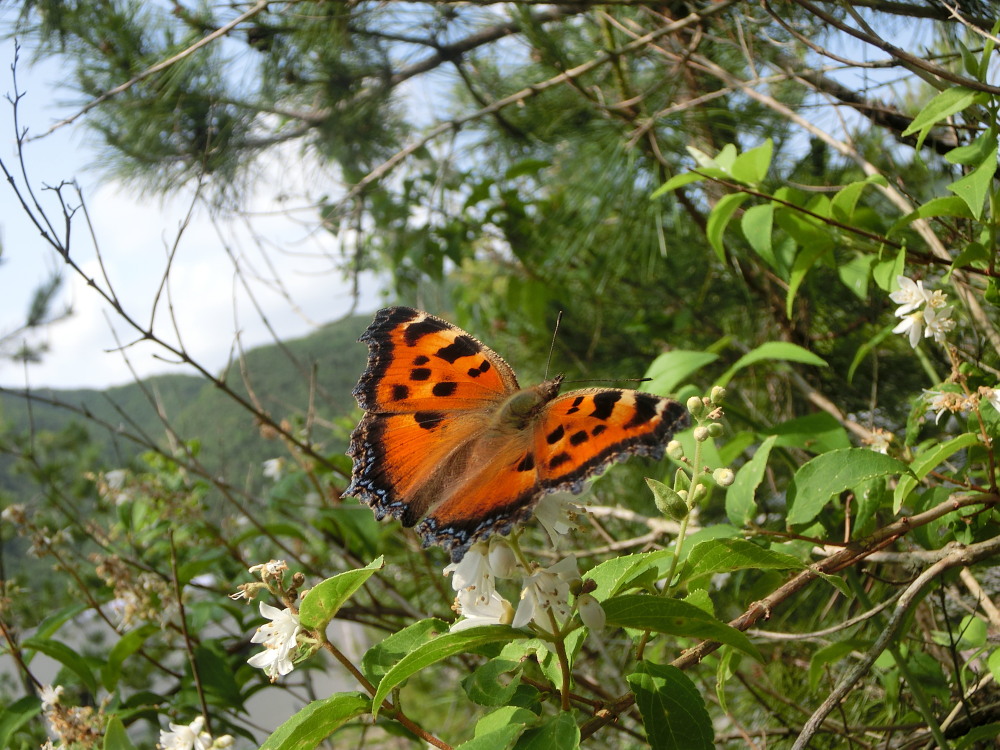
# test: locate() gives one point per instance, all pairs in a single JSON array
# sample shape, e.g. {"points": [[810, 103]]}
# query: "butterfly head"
{"points": [[522, 406]]}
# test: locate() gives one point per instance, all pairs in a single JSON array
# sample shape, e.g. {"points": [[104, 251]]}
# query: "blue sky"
{"points": [[134, 235]]}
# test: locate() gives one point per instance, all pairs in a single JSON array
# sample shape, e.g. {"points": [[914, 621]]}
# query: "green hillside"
{"points": [[279, 376]]}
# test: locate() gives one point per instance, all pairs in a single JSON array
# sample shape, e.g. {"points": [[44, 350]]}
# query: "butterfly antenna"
{"points": [[552, 346]]}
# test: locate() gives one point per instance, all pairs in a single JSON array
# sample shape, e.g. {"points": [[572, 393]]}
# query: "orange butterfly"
{"points": [[450, 440]]}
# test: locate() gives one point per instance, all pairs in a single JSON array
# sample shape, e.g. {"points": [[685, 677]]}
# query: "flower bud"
{"points": [[591, 612], [699, 493], [723, 476], [696, 406], [701, 433], [715, 429], [675, 450], [718, 394]]}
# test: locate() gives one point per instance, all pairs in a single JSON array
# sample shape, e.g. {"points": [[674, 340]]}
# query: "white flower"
{"points": [[479, 610], [274, 468], [13, 513], [913, 325], [591, 612], [279, 639], [992, 395], [50, 695], [910, 296], [186, 736], [472, 571], [546, 590], [115, 479], [937, 323], [880, 440], [557, 515]]}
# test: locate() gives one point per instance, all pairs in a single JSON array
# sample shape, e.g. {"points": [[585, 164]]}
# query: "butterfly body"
{"points": [[451, 444]]}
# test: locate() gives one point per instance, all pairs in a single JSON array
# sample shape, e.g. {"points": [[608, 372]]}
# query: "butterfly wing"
{"points": [[428, 391], [574, 436], [581, 432]]}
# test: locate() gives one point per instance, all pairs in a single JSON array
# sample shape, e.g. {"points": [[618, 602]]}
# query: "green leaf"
{"points": [[381, 657], [483, 686], [677, 181], [441, 648], [885, 271], [971, 254], [673, 711], [68, 657], [831, 654], [16, 715], [808, 257], [845, 201], [772, 350], [974, 187], [816, 433], [558, 733], [218, 679], [727, 555], [867, 347], [670, 369], [673, 617], [751, 166], [323, 600], [948, 102], [855, 273], [948, 205], [983, 733], [718, 220], [317, 721], [115, 736], [740, 503], [831, 473], [975, 152], [620, 573], [757, 225], [127, 645], [925, 462]]}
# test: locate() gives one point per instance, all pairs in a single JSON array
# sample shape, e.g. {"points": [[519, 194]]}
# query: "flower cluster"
{"points": [[545, 592], [191, 737], [924, 314], [282, 636]]}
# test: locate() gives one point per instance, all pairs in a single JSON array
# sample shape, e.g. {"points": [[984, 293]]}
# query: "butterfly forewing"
{"points": [[581, 432], [417, 362]]}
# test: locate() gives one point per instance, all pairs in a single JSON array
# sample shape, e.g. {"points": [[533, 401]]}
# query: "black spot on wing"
{"points": [[604, 404], [598, 429], [577, 438], [399, 392], [428, 419], [421, 360], [527, 463], [575, 406], [475, 372], [415, 331], [645, 410], [558, 460], [420, 373], [555, 436], [462, 346], [444, 388]]}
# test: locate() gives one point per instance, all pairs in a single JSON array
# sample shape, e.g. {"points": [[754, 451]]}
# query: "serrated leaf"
{"points": [[438, 649], [619, 573], [381, 657], [727, 555], [558, 733], [772, 350], [483, 685], [925, 462], [719, 219], [975, 186], [672, 368], [673, 712], [673, 617], [831, 473], [317, 721], [740, 503], [324, 600], [948, 102]]}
